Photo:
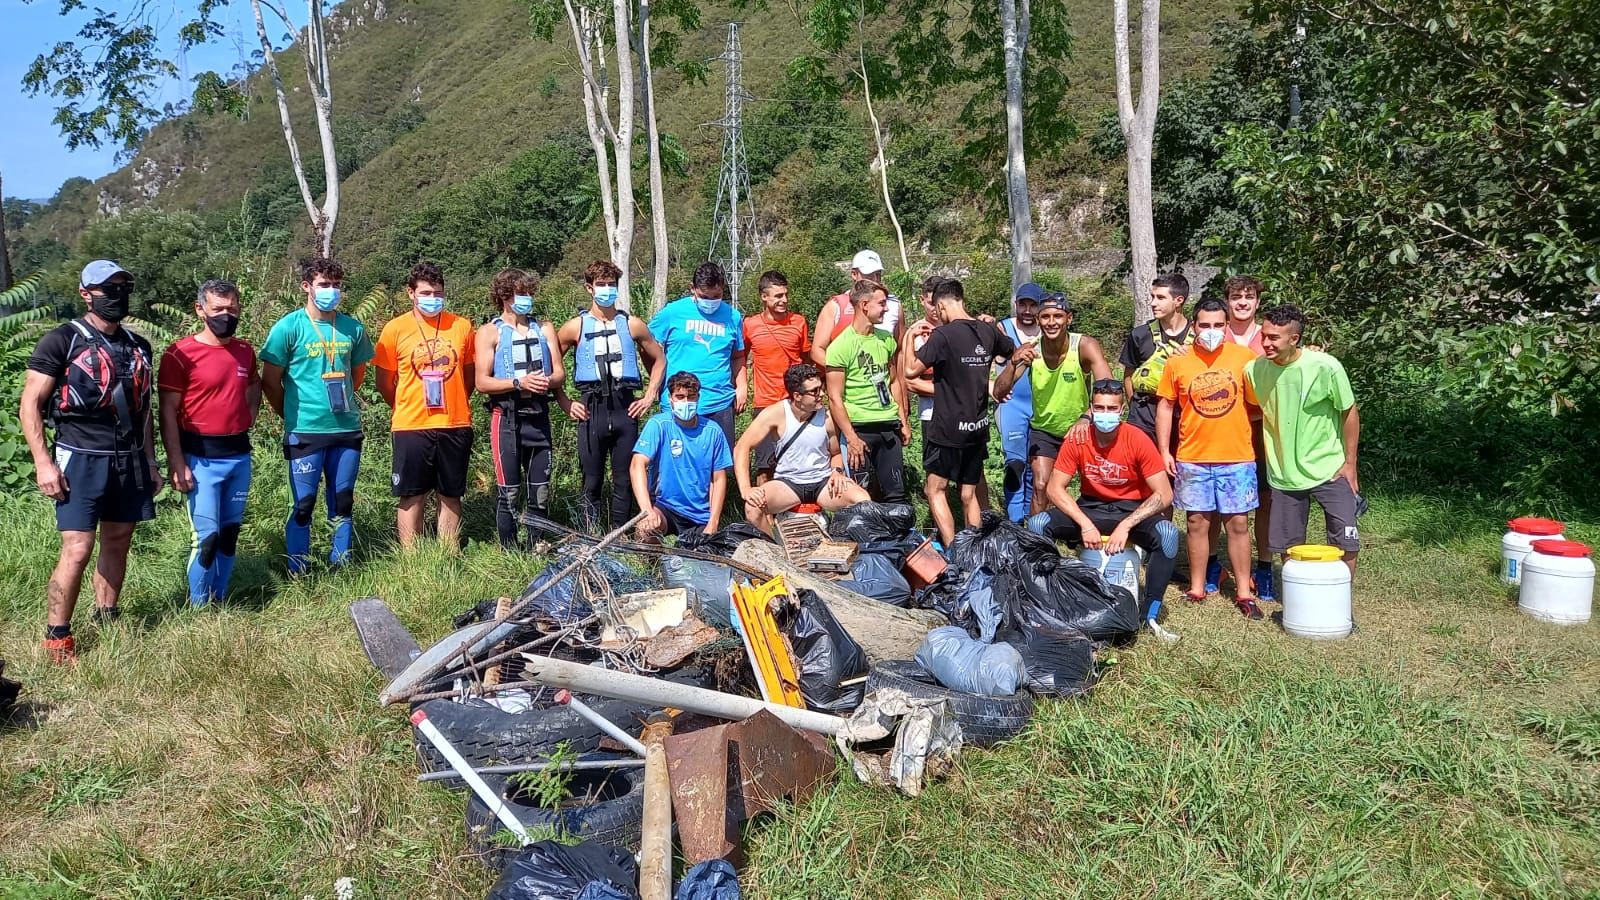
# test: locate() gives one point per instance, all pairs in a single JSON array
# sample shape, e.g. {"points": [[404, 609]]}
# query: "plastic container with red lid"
{"points": [[1517, 543], [1568, 549], [1558, 583]]}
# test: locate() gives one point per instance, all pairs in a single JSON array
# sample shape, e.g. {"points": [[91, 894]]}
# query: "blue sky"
{"points": [[33, 157]]}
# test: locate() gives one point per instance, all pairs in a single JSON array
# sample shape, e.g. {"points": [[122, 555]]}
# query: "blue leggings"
{"points": [[216, 508], [1014, 422], [336, 468]]}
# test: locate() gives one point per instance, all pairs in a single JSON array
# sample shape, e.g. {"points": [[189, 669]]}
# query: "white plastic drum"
{"points": [[1120, 568], [1518, 543], [1316, 593], [1558, 583]]}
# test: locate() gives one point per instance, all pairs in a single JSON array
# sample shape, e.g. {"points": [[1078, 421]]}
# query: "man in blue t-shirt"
{"points": [[680, 466], [705, 337]]}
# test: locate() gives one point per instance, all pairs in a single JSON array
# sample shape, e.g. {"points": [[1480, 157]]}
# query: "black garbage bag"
{"points": [[714, 879], [724, 542], [877, 575], [967, 599], [551, 871], [825, 654], [868, 522], [1070, 594], [1060, 661], [1001, 545]]}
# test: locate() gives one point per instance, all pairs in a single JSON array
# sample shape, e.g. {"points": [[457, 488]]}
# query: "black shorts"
{"points": [[961, 465], [808, 493], [431, 459], [766, 452], [103, 487], [678, 523], [1041, 443]]}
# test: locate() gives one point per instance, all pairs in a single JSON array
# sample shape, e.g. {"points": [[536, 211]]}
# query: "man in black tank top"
{"points": [[808, 468]]}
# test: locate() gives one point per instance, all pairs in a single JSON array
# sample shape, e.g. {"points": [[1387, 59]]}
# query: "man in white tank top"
{"points": [[809, 467]]}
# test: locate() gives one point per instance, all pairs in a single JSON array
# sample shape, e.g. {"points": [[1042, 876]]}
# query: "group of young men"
{"points": [[832, 416]]}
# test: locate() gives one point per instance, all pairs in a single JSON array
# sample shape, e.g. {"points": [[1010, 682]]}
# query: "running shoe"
{"points": [[62, 651], [1248, 608], [1265, 590], [1213, 575]]}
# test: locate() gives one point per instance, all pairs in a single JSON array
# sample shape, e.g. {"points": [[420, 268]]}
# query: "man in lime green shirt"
{"points": [[1312, 429], [866, 394]]}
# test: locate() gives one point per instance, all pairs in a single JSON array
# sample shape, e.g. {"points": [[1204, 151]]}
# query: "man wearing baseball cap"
{"points": [[837, 313], [1014, 415], [91, 378]]}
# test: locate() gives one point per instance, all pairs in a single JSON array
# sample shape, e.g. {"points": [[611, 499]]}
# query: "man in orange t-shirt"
{"points": [[1215, 460], [425, 372], [774, 340]]}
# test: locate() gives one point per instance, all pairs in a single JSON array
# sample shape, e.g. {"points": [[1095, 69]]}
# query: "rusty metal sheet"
{"points": [[725, 775]]}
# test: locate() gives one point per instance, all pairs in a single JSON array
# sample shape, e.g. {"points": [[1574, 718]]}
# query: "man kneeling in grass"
{"points": [[680, 466], [808, 466], [1125, 489]]}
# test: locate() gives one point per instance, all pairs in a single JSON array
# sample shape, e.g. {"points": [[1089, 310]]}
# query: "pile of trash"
{"points": [[634, 697]]}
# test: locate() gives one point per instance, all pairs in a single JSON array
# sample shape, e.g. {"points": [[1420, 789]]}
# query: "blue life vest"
{"points": [[606, 359], [516, 355], [1021, 399]]}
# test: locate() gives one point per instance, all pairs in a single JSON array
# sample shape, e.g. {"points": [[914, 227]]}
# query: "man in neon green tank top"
{"points": [[1060, 372]]}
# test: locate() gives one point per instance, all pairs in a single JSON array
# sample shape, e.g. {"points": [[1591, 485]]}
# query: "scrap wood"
{"points": [[884, 632], [725, 775], [655, 829], [671, 646]]}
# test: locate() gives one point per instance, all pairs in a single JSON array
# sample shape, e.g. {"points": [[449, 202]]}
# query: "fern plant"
{"points": [[19, 330]]}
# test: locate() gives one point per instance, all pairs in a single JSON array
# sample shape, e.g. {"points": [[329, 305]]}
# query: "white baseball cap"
{"points": [[99, 272], [866, 262]]}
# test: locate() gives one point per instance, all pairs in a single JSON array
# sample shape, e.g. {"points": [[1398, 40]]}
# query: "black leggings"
{"points": [[608, 432], [520, 445]]}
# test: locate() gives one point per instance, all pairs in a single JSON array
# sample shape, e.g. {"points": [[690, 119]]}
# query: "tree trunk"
{"points": [[883, 160], [622, 149], [1138, 132], [585, 34], [314, 49], [658, 200], [1014, 24], [7, 276]]}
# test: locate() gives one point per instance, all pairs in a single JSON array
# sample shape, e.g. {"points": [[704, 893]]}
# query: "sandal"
{"points": [[1195, 596]]}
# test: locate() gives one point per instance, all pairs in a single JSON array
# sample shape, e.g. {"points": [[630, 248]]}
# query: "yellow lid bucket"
{"points": [[1316, 553]]}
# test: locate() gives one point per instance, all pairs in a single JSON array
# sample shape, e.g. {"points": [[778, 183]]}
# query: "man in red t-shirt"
{"points": [[774, 340], [210, 393], [1124, 488]]}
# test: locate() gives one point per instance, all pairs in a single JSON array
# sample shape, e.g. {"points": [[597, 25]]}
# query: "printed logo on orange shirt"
{"points": [[1213, 393], [431, 355]]}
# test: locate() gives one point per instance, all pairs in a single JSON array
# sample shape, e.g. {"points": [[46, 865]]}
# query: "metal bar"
{"points": [[577, 766], [565, 698], [473, 779]]}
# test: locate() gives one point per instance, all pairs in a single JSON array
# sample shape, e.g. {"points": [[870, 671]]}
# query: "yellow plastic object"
{"points": [[1316, 553], [769, 652]]}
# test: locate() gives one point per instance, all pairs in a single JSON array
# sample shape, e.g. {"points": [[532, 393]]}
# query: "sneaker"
{"points": [[1248, 608], [1265, 591], [1213, 575], [62, 651], [105, 615]]}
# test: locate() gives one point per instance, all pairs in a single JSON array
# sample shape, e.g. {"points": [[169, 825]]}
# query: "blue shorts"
{"points": [[1227, 488]]}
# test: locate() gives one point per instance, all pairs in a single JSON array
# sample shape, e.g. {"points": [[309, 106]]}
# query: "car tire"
{"points": [[984, 720]]}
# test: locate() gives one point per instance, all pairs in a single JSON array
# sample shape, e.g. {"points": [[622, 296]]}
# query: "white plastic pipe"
{"points": [[565, 698], [473, 779], [638, 688]]}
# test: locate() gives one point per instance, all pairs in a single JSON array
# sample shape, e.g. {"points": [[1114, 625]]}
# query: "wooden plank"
{"points": [[883, 631]]}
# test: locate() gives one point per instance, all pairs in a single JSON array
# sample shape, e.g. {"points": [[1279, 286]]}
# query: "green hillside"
{"points": [[430, 93]]}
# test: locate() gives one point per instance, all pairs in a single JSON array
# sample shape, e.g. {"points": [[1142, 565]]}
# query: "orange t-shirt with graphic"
{"points": [[1213, 414], [411, 346]]}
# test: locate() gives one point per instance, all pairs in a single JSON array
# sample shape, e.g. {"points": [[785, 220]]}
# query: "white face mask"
{"points": [[684, 410], [708, 305], [1209, 338]]}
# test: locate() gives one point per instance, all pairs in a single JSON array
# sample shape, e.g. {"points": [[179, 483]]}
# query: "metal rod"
{"points": [[565, 698], [473, 779], [578, 766], [584, 557]]}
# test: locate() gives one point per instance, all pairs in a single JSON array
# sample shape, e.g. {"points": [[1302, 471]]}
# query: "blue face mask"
{"points": [[430, 306], [326, 298], [1106, 422], [522, 305], [707, 305], [684, 410], [606, 296]]}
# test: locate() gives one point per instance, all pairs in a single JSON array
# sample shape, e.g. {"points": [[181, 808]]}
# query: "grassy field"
{"points": [[1450, 748]]}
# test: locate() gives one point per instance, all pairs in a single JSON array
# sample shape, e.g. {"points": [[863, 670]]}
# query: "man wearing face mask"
{"points": [[1214, 460], [611, 350], [1124, 489], [1014, 410], [210, 395], [518, 366], [426, 361], [680, 466], [313, 362], [704, 336], [91, 379]]}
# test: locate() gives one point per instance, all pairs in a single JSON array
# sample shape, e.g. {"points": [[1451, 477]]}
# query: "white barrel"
{"points": [[1518, 543], [1121, 569], [1558, 583], [1316, 593]]}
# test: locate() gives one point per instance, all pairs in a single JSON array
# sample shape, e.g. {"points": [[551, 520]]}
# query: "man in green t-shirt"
{"points": [[865, 396], [312, 364], [1312, 429]]}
